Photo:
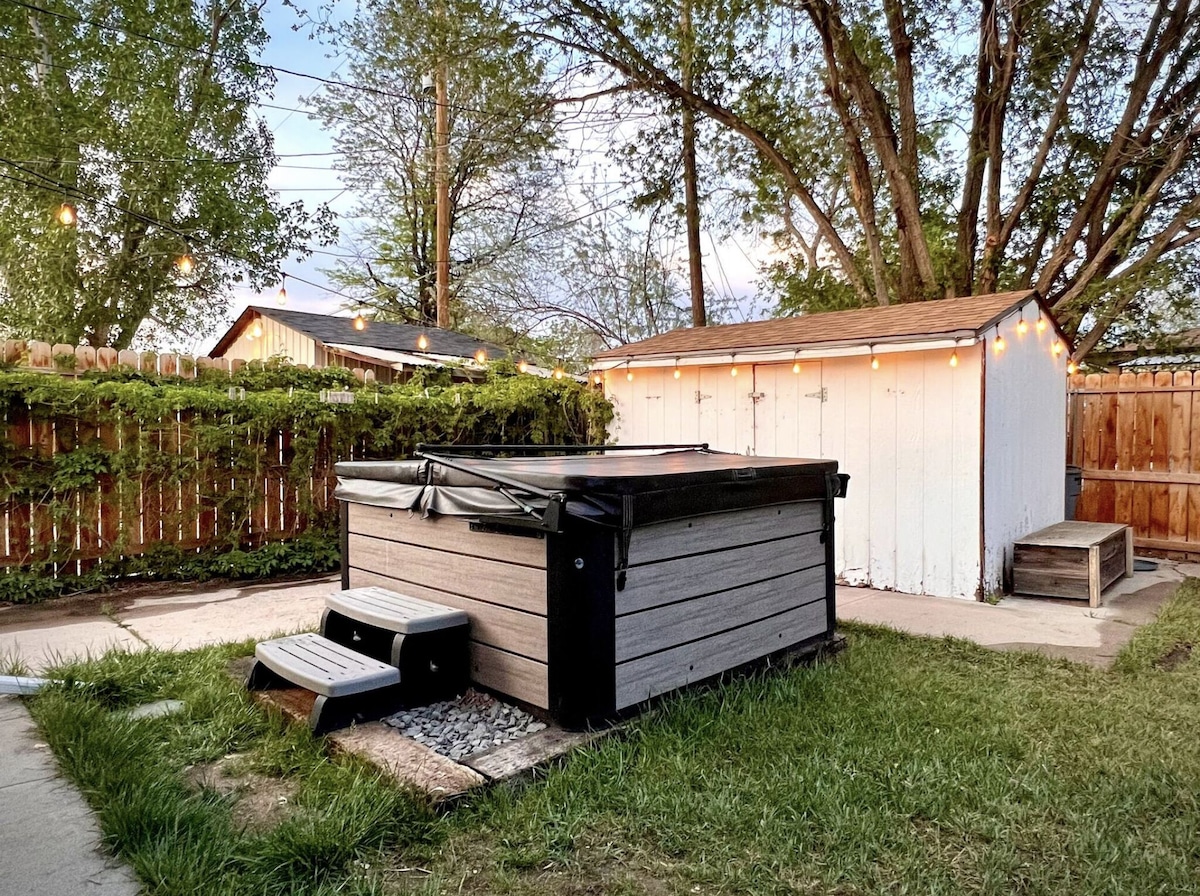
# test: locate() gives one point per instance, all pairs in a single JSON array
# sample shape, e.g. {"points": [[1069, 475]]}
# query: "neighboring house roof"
{"points": [[943, 318], [1169, 350], [330, 330]]}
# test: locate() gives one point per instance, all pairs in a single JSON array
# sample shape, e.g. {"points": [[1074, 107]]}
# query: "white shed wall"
{"points": [[908, 434], [1025, 442]]}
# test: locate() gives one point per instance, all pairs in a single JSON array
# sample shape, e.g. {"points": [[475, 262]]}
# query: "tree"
{"points": [[1076, 175], [501, 167], [140, 117]]}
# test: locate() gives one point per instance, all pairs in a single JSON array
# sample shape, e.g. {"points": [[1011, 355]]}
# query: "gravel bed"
{"points": [[471, 724]]}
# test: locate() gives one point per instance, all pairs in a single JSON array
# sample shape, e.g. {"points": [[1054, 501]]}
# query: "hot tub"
{"points": [[596, 582]]}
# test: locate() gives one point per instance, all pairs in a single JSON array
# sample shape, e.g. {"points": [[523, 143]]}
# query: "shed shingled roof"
{"points": [[327, 329], [915, 320]]}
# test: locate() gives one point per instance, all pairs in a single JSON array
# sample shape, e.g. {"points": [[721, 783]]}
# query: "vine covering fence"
{"points": [[1137, 438], [99, 471]]}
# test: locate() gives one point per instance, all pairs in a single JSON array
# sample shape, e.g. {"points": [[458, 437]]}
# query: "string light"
{"points": [[1071, 368], [256, 330], [874, 360], [954, 355], [480, 357], [1022, 327], [360, 322], [678, 372], [796, 361], [597, 378], [558, 373], [733, 362], [628, 372], [522, 366], [281, 296], [185, 264], [1041, 322], [423, 343], [999, 344], [66, 215], [1057, 348]]}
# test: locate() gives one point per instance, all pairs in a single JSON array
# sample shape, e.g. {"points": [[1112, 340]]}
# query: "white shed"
{"points": [[949, 416]]}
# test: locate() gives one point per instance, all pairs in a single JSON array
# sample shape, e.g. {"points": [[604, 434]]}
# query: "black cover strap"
{"points": [[623, 541]]}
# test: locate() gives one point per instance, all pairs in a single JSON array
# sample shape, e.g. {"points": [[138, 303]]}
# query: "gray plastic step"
{"points": [[394, 612], [323, 666]]}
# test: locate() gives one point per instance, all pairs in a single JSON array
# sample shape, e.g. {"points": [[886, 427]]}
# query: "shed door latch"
{"points": [[700, 398], [756, 397], [822, 393]]}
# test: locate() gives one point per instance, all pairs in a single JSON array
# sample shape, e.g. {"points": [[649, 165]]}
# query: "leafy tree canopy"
{"points": [[911, 151], [139, 115]]}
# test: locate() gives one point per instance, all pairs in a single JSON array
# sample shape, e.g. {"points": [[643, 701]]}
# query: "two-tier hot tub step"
{"points": [[350, 686], [426, 641]]}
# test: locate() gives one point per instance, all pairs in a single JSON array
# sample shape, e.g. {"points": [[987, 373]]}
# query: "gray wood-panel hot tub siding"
{"points": [[702, 594], [710, 593], [498, 579]]}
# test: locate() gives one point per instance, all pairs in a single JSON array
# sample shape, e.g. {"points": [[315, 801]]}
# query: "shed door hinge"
{"points": [[700, 398], [823, 394]]}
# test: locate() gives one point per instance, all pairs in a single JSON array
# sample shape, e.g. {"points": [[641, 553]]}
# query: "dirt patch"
{"points": [[257, 802], [1174, 658]]}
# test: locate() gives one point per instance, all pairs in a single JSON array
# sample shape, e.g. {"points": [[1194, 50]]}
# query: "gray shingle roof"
{"points": [[328, 329]]}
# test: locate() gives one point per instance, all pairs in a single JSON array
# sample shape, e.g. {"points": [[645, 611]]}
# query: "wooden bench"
{"points": [[1072, 559]]}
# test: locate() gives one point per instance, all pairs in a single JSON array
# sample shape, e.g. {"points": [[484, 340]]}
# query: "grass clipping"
{"points": [[905, 765]]}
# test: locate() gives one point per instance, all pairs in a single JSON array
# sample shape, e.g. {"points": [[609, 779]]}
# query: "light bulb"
{"points": [[66, 215], [423, 343], [360, 322], [733, 370], [558, 373], [954, 358], [1000, 345], [795, 367], [629, 376], [256, 330], [281, 296], [185, 264], [874, 363], [678, 373], [480, 356], [1022, 327], [597, 379], [1041, 323], [1071, 368], [522, 366], [1057, 348]]}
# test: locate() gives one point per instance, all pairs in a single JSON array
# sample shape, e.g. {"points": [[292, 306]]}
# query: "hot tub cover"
{"points": [[651, 486]]}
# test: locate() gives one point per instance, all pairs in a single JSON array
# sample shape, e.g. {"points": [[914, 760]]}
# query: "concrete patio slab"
{"points": [[1054, 627], [46, 644]]}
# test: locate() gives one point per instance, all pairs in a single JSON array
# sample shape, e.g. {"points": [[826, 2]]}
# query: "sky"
{"points": [[305, 172]]}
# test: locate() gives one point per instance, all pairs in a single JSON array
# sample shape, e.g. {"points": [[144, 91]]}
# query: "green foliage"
{"points": [[338, 813], [903, 765], [158, 149], [188, 453]]}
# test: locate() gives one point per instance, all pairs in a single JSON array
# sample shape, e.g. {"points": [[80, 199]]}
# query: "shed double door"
{"points": [[765, 410]]}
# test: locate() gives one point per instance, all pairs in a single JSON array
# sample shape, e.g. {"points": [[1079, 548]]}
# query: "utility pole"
{"points": [[691, 186], [442, 176]]}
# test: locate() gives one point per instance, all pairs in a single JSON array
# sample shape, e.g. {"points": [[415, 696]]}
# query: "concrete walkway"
{"points": [[48, 840]]}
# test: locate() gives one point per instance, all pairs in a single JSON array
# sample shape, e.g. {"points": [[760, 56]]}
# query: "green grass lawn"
{"points": [[905, 765]]}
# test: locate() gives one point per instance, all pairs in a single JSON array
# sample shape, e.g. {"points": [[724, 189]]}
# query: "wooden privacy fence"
{"points": [[1137, 438], [96, 491], [68, 359]]}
